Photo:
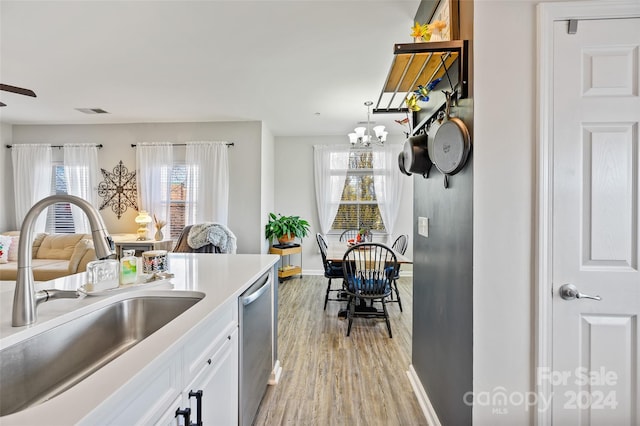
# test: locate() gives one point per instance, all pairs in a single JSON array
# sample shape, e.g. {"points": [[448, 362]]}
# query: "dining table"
{"points": [[337, 249]]}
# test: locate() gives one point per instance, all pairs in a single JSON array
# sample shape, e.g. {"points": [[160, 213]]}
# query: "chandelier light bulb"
{"points": [[363, 136]]}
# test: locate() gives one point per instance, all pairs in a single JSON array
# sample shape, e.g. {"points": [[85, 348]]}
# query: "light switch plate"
{"points": [[423, 226]]}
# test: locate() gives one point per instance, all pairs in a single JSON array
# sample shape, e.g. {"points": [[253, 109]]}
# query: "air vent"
{"points": [[92, 110]]}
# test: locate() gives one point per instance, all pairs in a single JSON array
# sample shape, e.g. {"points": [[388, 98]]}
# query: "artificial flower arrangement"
{"points": [[364, 234], [420, 94], [423, 32], [159, 224]]}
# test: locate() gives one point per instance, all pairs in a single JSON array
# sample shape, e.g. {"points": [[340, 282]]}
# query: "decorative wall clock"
{"points": [[118, 190]]}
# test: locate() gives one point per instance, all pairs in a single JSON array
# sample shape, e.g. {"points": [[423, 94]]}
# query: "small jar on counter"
{"points": [[128, 267], [154, 261], [102, 274]]}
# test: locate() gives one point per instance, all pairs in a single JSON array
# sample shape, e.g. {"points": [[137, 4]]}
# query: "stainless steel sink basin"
{"points": [[45, 365]]}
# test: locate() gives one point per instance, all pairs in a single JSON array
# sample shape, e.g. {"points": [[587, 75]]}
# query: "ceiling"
{"points": [[304, 67]]}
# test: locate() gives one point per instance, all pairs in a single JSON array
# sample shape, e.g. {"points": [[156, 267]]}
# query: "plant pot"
{"points": [[286, 239]]}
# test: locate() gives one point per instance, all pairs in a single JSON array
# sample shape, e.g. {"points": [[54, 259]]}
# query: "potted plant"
{"points": [[285, 228]]}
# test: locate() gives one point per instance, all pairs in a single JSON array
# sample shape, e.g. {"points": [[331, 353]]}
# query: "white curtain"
{"points": [[387, 180], [330, 171], [154, 162], [207, 182], [32, 170], [81, 171]]}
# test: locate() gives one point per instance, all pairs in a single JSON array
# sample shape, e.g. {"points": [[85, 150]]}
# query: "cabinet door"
{"points": [[218, 382], [169, 417]]}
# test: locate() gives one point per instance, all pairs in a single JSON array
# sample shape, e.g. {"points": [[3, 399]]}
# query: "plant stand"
{"points": [[285, 269]]}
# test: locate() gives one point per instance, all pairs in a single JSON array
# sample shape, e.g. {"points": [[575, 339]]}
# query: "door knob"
{"points": [[570, 292]]}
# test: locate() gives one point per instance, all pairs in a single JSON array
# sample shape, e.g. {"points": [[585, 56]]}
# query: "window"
{"points": [[178, 200], [359, 207], [59, 217]]}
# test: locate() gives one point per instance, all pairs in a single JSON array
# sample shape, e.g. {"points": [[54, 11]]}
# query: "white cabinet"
{"points": [[213, 395], [168, 418], [206, 360]]}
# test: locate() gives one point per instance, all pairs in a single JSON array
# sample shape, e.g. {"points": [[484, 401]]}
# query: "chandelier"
{"points": [[362, 135]]}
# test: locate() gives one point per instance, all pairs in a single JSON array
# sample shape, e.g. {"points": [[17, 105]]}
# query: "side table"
{"points": [[142, 246], [287, 270]]}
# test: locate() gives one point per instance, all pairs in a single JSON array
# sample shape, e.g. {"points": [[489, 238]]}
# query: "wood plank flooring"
{"points": [[331, 379]]}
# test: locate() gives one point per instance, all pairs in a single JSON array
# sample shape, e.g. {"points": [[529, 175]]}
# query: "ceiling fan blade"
{"points": [[18, 90], [2, 104]]}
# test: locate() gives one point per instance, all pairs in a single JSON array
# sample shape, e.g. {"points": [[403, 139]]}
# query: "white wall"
{"points": [[267, 184], [267, 174], [295, 192], [245, 215], [7, 210], [504, 201]]}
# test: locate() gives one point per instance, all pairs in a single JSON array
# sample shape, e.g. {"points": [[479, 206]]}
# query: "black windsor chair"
{"points": [[368, 270], [332, 270]]}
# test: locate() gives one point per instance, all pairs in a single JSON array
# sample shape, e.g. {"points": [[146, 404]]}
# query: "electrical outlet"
{"points": [[423, 226]]}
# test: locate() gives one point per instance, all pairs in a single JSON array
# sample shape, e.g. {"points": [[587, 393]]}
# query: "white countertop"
{"points": [[220, 277]]}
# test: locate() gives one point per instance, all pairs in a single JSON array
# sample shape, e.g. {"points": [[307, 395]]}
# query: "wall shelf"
{"points": [[419, 63]]}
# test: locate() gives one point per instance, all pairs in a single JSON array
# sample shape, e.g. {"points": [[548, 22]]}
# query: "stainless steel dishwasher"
{"points": [[256, 360]]}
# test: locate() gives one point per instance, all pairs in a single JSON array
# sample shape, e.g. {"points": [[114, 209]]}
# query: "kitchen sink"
{"points": [[39, 368]]}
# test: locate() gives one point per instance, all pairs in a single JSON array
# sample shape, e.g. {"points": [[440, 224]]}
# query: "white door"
{"points": [[596, 223]]}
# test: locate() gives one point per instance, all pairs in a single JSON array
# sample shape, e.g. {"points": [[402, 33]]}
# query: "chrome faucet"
{"points": [[25, 298]]}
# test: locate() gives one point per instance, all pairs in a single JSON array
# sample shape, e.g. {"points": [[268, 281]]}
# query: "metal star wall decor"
{"points": [[118, 189]]}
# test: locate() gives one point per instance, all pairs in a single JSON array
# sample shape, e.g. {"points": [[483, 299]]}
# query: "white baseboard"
{"points": [[423, 398], [275, 373]]}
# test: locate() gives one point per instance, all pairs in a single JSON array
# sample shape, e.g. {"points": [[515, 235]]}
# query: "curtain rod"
{"points": [[62, 146], [133, 145]]}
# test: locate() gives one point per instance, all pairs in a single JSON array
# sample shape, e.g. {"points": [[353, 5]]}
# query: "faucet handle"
{"points": [[110, 242], [104, 245]]}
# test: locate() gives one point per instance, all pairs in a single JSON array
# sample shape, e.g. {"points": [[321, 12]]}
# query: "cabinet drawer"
{"points": [[208, 337]]}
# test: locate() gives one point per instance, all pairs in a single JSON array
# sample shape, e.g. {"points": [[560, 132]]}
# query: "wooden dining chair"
{"points": [[349, 234], [399, 246], [332, 270], [368, 270]]}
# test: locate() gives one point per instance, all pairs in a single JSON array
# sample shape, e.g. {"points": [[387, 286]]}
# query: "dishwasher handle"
{"points": [[249, 299]]}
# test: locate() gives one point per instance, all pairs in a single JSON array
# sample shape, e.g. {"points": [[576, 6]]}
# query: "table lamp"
{"points": [[143, 219]]}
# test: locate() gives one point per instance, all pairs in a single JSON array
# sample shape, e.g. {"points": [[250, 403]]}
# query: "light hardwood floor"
{"points": [[331, 379]]}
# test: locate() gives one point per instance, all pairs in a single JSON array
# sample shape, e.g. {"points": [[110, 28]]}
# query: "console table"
{"points": [[141, 246]]}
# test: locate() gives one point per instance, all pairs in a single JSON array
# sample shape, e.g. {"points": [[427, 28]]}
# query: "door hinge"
{"points": [[573, 26]]}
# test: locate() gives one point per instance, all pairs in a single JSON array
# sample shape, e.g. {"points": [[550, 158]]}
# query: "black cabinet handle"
{"points": [[198, 396], [186, 413]]}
